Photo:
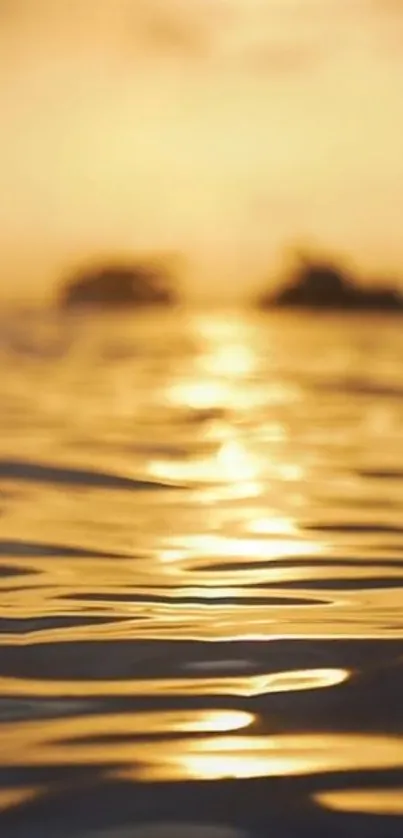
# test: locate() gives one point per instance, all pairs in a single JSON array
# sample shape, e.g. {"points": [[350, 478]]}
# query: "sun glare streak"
{"points": [[245, 686], [207, 394], [211, 546], [274, 525], [222, 373], [219, 388], [222, 391], [268, 756], [219, 722]]}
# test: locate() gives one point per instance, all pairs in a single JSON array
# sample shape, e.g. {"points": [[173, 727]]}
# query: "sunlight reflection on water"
{"points": [[241, 758], [201, 565]]}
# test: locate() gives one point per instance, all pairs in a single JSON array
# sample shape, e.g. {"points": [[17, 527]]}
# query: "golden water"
{"points": [[201, 575]]}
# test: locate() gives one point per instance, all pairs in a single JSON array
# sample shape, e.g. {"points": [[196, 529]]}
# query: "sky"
{"points": [[225, 130]]}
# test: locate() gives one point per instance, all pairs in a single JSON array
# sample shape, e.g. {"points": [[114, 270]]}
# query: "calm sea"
{"points": [[201, 574]]}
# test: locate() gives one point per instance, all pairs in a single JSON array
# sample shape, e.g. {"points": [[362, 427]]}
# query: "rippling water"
{"points": [[201, 574]]}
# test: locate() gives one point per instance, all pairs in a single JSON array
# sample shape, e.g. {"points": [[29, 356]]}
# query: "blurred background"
{"points": [[223, 130]]}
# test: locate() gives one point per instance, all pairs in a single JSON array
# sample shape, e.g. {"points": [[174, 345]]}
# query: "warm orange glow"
{"points": [[10, 798], [207, 754], [252, 549], [242, 105], [222, 382], [245, 685], [242, 757], [367, 801]]}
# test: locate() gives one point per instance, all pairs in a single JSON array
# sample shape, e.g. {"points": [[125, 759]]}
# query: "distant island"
{"points": [[325, 286], [116, 286]]}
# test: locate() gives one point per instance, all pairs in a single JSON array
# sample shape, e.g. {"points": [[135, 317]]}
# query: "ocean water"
{"points": [[201, 574]]}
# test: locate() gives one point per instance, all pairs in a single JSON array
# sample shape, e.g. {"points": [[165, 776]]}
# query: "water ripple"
{"points": [[39, 473], [201, 574]]}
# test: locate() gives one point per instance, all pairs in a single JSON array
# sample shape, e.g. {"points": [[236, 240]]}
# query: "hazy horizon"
{"points": [[224, 130]]}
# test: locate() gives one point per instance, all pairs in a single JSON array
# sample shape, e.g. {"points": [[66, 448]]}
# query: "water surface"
{"points": [[201, 572]]}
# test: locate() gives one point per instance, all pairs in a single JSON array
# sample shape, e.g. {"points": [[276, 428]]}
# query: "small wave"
{"points": [[26, 549], [16, 709], [8, 571], [369, 529], [205, 602], [293, 562], [31, 625], [39, 473], [360, 387], [111, 660], [381, 474], [347, 584]]}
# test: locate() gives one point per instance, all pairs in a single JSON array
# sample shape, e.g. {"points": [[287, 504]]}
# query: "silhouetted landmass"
{"points": [[119, 287], [322, 285]]}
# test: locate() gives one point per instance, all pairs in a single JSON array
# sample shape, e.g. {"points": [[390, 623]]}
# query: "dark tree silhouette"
{"points": [[119, 286], [324, 285]]}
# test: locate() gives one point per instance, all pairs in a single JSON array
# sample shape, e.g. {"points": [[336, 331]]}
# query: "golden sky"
{"points": [[224, 129]]}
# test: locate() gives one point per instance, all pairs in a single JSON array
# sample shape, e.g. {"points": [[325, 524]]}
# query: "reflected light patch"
{"points": [[297, 681], [233, 360], [363, 801], [235, 462], [232, 492], [223, 547], [172, 556], [243, 686], [273, 525], [291, 472], [221, 378], [225, 331], [122, 739], [186, 721], [11, 798], [247, 757], [200, 395], [219, 722]]}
